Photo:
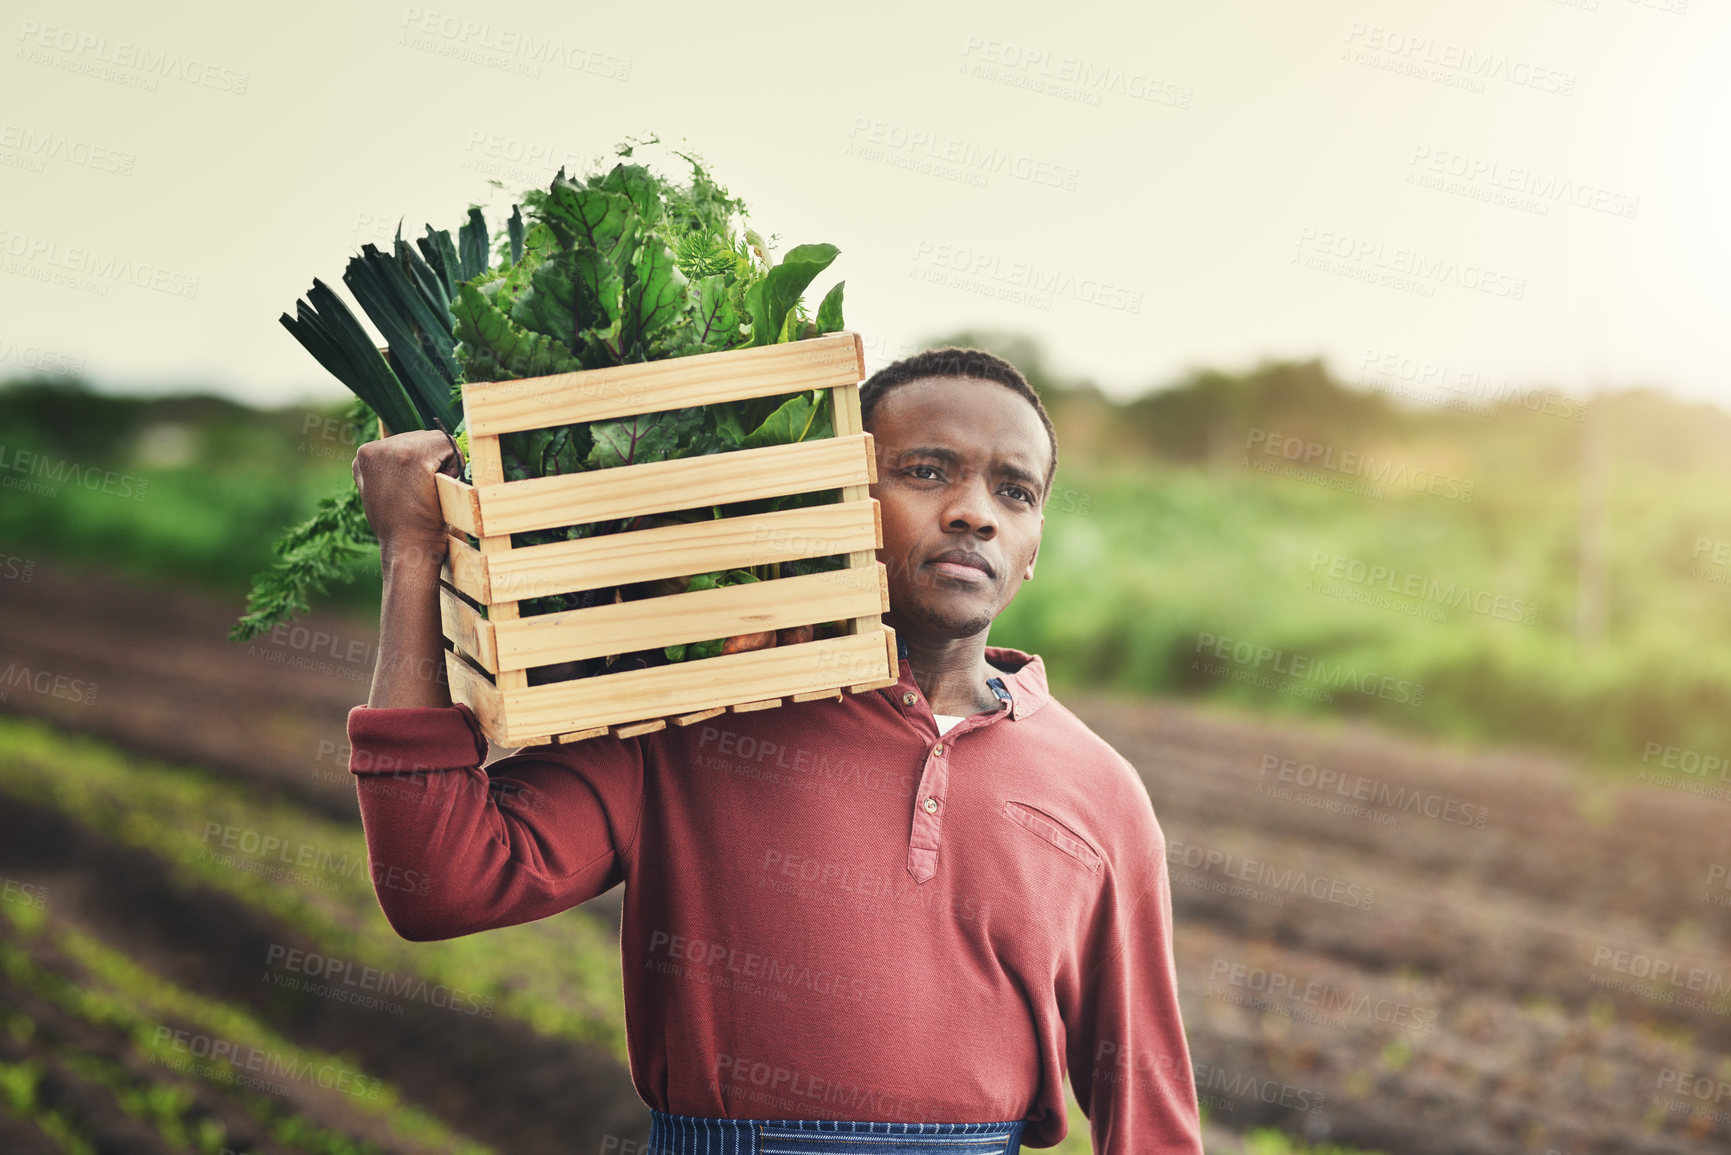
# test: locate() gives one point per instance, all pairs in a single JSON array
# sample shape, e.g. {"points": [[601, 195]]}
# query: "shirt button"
{"points": [[938, 749], [910, 698], [931, 806]]}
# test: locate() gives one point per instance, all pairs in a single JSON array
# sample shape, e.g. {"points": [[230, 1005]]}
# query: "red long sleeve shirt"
{"points": [[831, 910]]}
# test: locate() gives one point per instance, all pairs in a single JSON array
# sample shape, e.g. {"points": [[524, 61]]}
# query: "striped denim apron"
{"points": [[694, 1135]]}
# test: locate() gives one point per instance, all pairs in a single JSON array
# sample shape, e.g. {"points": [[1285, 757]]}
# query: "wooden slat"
{"points": [[466, 569], [698, 715], [487, 467], [662, 486], [749, 707], [458, 504], [817, 696], [635, 728], [844, 401], [671, 551], [891, 661], [582, 735], [468, 630], [689, 617], [631, 695], [473, 690], [493, 408]]}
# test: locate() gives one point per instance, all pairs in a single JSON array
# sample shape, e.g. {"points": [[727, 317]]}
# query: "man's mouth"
{"points": [[962, 565]]}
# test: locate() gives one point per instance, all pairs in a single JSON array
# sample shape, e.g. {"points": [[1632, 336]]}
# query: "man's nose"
{"points": [[970, 505]]}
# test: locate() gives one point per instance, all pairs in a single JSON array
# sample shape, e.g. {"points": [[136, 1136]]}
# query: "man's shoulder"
{"points": [[1090, 760]]}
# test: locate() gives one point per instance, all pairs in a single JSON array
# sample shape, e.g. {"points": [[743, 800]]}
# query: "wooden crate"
{"points": [[489, 655]]}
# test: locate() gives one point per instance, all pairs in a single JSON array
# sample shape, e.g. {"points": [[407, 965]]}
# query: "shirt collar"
{"points": [[1022, 682]]}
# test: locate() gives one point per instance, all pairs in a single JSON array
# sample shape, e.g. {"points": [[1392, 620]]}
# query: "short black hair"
{"points": [[957, 361]]}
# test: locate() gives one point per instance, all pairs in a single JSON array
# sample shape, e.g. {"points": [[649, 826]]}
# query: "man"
{"points": [[909, 912]]}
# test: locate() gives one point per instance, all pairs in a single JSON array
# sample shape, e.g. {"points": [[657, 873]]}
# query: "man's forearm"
{"points": [[411, 664]]}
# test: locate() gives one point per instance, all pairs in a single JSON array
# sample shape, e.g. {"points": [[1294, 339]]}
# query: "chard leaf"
{"points": [[716, 325], [594, 217], [645, 437], [639, 185], [601, 290], [494, 348], [656, 299], [829, 312], [549, 305], [803, 417], [770, 300]]}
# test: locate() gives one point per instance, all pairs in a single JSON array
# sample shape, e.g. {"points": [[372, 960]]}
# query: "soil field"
{"points": [[1380, 941]]}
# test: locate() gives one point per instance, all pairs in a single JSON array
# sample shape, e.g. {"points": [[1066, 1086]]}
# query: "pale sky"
{"points": [[1530, 190]]}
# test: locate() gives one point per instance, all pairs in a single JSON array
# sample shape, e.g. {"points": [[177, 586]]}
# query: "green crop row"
{"points": [[559, 975], [118, 996]]}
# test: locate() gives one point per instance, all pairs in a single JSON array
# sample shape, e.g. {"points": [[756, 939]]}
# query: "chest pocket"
{"points": [[1038, 822]]}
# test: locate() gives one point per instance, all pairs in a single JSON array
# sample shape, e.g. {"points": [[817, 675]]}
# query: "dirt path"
{"points": [[1380, 942]]}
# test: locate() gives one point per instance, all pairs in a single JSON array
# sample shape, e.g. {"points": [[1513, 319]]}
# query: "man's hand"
{"points": [[401, 500]]}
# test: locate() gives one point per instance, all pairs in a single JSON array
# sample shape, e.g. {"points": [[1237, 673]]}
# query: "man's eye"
{"points": [[1026, 496], [933, 468]]}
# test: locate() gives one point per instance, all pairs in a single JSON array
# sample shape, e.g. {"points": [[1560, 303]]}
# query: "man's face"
{"points": [[961, 468]]}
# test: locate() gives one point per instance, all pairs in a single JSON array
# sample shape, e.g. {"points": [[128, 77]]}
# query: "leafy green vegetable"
{"points": [[618, 267]]}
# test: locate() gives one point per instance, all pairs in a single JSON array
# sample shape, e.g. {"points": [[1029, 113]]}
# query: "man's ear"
{"points": [[1028, 574]]}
